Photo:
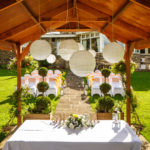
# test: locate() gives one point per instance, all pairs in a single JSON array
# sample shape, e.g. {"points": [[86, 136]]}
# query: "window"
{"points": [[86, 44], [136, 51], [95, 44], [142, 51], [53, 39], [148, 50]]}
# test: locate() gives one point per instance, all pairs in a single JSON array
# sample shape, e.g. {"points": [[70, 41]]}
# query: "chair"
{"points": [[143, 66], [27, 76], [32, 85], [117, 87]]}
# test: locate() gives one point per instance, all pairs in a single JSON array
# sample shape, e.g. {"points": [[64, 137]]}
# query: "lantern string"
{"points": [[39, 17], [112, 20], [77, 12]]}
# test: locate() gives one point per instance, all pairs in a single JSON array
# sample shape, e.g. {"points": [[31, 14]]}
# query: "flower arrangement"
{"points": [[75, 121]]}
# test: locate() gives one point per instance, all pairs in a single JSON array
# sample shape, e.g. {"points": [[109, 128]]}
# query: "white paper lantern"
{"points": [[113, 52], [92, 52], [51, 59], [82, 63], [66, 54], [40, 49], [67, 48], [81, 47]]}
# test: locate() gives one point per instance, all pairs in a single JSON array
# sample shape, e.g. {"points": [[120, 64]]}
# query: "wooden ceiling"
{"points": [[20, 19]]}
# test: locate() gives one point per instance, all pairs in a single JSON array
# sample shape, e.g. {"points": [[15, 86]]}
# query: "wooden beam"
{"points": [[92, 11], [13, 31], [25, 51], [73, 30], [142, 3], [9, 6], [30, 13], [117, 14], [94, 27], [129, 49], [19, 50], [141, 44], [131, 29], [5, 45], [102, 19], [25, 26]]}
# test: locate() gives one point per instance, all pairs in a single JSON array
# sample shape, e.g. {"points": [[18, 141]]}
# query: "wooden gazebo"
{"points": [[26, 20]]}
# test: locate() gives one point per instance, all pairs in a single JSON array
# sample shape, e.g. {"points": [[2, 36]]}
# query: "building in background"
{"points": [[90, 40]]}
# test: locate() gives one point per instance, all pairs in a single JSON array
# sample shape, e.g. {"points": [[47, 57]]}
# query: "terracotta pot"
{"points": [[107, 116]]}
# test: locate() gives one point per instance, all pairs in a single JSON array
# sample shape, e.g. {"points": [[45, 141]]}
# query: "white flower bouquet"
{"points": [[75, 121]]}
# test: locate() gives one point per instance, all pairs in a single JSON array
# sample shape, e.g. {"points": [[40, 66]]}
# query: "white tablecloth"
{"points": [[41, 135]]}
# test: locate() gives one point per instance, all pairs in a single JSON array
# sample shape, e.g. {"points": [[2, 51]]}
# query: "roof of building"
{"points": [[25, 20]]}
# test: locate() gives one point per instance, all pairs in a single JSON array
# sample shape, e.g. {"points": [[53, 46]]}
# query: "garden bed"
{"points": [[107, 116], [36, 117]]}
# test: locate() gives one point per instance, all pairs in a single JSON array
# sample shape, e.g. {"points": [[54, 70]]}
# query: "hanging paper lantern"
{"points": [[40, 49], [113, 52], [92, 52], [82, 63], [66, 54], [67, 48], [51, 59], [81, 47]]}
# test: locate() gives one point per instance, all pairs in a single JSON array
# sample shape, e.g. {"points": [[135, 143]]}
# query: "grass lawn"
{"points": [[140, 84], [8, 82]]}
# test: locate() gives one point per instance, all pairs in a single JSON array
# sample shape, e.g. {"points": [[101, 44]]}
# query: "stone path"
{"points": [[71, 102]]}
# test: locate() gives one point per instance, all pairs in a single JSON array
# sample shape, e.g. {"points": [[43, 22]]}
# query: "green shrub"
{"points": [[42, 103], [106, 72], [105, 88], [105, 104], [42, 86], [43, 71]]}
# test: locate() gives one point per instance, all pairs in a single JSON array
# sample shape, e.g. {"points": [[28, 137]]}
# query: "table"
{"points": [[42, 135]]}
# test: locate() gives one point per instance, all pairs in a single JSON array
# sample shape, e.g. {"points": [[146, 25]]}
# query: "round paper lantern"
{"points": [[92, 52], [51, 59], [40, 49], [66, 54], [82, 63], [113, 52], [81, 47], [67, 48]]}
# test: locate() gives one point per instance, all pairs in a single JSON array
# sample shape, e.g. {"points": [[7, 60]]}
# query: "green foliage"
{"points": [[106, 72], [120, 67], [85, 80], [105, 88], [42, 86], [105, 104], [28, 63], [42, 104], [43, 63], [43, 71]]}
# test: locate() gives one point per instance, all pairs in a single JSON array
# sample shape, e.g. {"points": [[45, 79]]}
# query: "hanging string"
{"points": [[67, 14], [112, 20], [77, 12], [39, 16]]}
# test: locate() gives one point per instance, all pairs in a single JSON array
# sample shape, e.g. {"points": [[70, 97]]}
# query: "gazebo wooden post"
{"points": [[19, 50], [128, 54]]}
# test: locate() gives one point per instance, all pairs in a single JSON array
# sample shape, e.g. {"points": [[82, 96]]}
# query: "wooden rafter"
{"points": [[92, 11], [5, 45], [73, 30], [117, 15], [131, 29], [9, 6], [142, 3], [18, 29], [104, 19], [10, 33], [27, 9]]}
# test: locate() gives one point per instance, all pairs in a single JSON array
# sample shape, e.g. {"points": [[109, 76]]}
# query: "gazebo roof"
{"points": [[20, 19]]}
